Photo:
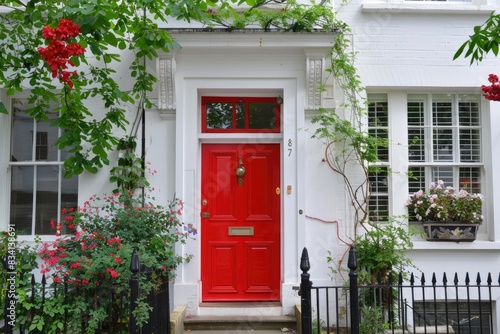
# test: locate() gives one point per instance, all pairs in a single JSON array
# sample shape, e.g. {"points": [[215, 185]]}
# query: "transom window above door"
{"points": [[241, 114]]}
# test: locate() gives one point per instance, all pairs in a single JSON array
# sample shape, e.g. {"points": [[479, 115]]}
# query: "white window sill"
{"points": [[437, 245], [428, 7]]}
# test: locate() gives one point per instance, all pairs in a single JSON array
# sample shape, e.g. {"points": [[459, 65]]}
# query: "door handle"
{"points": [[205, 214]]}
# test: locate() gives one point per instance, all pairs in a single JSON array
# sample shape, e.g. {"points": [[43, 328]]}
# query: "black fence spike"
{"points": [[400, 278], [422, 280], [445, 279], [478, 279], [467, 279], [498, 279], [134, 262], [412, 279], [489, 281], [44, 281], [434, 280], [352, 260], [304, 261], [455, 279]]}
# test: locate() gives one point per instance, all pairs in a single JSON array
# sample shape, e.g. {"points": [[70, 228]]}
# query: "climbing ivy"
{"points": [[348, 143]]}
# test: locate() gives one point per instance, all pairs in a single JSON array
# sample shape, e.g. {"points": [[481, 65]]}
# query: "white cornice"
{"points": [[255, 39], [428, 7]]}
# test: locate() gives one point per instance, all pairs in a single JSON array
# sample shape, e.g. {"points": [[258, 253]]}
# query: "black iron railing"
{"points": [[402, 304]]}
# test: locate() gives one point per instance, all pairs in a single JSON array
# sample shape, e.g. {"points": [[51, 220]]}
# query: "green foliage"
{"points": [[129, 173], [92, 263], [372, 320], [382, 250], [37, 313], [381, 254], [25, 262], [109, 28], [95, 256], [485, 39], [105, 232], [287, 17]]}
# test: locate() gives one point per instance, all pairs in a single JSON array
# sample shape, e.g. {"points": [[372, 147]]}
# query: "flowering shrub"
{"points": [[444, 204], [94, 247], [492, 92], [59, 51]]}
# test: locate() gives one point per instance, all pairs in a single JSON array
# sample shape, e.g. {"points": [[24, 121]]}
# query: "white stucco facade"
{"points": [[403, 48], [409, 47]]}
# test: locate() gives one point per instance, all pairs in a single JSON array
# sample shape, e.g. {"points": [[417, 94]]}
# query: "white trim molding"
{"points": [[166, 93], [315, 69]]}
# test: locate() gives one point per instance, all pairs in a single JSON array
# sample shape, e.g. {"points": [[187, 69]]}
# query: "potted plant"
{"points": [[447, 214]]}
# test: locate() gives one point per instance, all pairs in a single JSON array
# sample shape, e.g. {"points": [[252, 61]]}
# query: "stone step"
{"points": [[250, 331], [281, 323]]}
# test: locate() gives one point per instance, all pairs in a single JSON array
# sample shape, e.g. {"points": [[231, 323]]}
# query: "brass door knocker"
{"points": [[240, 171]]}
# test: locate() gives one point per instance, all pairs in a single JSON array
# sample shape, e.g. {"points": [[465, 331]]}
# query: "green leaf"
{"points": [[3, 110], [494, 47], [122, 45], [460, 50], [111, 39]]}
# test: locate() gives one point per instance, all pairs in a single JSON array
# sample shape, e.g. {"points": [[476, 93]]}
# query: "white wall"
{"points": [[408, 47]]}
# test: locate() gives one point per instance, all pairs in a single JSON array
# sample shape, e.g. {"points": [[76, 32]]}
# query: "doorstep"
{"points": [[240, 323]]}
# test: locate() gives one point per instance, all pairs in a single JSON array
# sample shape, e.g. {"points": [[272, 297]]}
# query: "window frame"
{"points": [[37, 165], [431, 162], [398, 179], [235, 100], [378, 197]]}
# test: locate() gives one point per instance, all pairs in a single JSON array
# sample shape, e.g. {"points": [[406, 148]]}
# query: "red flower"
{"points": [[57, 280], [115, 240], [58, 53], [112, 272], [492, 92]]}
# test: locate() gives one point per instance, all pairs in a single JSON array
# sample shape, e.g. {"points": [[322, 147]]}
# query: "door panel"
{"points": [[222, 265], [240, 222]]}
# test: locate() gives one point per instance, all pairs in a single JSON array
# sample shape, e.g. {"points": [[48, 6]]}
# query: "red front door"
{"points": [[240, 235]]}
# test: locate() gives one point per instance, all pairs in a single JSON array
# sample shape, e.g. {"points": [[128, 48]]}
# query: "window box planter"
{"points": [[450, 231]]}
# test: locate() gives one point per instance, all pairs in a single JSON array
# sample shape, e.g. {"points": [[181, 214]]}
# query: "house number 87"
{"points": [[290, 147]]}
